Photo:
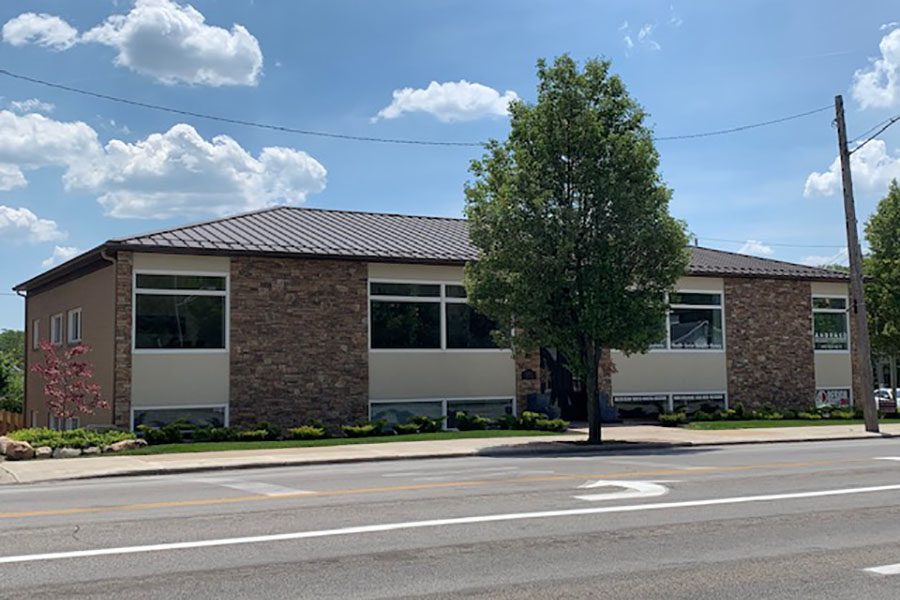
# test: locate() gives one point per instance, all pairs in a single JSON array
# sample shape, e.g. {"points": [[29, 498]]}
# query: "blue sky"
{"points": [[75, 171]]}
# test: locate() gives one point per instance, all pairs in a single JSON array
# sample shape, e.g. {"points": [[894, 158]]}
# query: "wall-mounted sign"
{"points": [[832, 397]]}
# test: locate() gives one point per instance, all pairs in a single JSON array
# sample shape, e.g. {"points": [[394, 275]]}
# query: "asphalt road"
{"points": [[761, 521]]}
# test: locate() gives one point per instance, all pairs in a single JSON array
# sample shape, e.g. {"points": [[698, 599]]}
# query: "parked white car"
{"points": [[887, 399]]}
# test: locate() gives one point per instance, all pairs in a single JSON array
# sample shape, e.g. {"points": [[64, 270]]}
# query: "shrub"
{"points": [[253, 435], [406, 428], [842, 414], [74, 438], [552, 425], [171, 433], [702, 415], [672, 419], [506, 422], [739, 412], [308, 432], [273, 432], [809, 416], [726, 414], [214, 434], [467, 422], [427, 424], [529, 419], [369, 429]]}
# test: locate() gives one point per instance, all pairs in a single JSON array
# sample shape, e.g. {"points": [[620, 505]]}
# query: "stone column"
{"points": [[528, 378], [122, 374]]}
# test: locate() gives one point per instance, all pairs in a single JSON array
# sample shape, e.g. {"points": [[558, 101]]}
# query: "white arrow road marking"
{"points": [[254, 487], [895, 458], [435, 523], [885, 570], [633, 489]]}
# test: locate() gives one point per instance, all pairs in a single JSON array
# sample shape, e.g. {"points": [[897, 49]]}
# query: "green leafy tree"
{"points": [[12, 382], [883, 277], [12, 342], [570, 215]]}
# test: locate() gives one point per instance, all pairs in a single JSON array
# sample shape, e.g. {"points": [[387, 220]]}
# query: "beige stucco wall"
{"points": [[410, 374], [94, 293], [167, 379], [833, 369]]}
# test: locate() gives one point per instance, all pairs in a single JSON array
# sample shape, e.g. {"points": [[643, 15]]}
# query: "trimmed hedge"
{"points": [[73, 438]]}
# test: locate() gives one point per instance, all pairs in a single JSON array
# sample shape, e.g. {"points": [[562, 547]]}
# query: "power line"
{"points": [[361, 138], [780, 245], [889, 122]]}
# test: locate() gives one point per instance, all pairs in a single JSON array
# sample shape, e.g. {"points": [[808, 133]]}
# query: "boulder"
{"points": [[4, 441], [43, 452], [125, 445], [19, 450], [90, 451], [66, 452]]}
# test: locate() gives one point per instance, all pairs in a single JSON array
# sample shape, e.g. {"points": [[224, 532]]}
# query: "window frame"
{"points": [[670, 396], [441, 299], [721, 306], [845, 311], [70, 339], [60, 331], [226, 293], [445, 401]]}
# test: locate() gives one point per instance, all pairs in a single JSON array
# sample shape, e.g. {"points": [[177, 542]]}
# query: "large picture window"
{"points": [[425, 316], [830, 330], [180, 312], [694, 322]]}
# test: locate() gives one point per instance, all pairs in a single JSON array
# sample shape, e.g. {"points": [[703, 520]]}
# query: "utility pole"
{"points": [[857, 295]]}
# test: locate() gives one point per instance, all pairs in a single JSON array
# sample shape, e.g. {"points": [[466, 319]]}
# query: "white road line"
{"points": [[476, 470], [254, 487], [631, 489], [894, 458], [303, 535], [885, 570]]}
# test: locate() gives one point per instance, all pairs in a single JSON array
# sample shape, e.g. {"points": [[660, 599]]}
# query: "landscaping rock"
{"points": [[66, 452], [90, 451], [19, 450], [125, 445], [43, 452], [4, 441]]}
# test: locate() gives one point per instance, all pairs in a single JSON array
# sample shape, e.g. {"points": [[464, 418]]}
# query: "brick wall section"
{"points": [[529, 361], [299, 341], [769, 345], [122, 372]]}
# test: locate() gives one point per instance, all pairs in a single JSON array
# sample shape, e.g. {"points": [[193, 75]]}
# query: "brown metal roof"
{"points": [[379, 237]]}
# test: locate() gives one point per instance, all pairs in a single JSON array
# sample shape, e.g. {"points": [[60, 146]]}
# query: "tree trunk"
{"points": [[592, 388], [894, 385]]}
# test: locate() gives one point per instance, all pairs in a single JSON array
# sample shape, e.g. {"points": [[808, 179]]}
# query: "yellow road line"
{"points": [[409, 488]]}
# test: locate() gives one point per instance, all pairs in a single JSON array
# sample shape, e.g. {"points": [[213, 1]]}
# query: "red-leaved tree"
{"points": [[68, 381]]}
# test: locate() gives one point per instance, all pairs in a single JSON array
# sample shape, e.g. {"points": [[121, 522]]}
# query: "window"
{"points": [[74, 327], [56, 329], [402, 412], [830, 331], [36, 334], [58, 424], [425, 316], [202, 416], [180, 312], [693, 322], [490, 409]]}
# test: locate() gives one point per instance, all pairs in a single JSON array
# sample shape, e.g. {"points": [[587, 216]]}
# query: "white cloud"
{"points": [[449, 101], [22, 225], [879, 85], [162, 39], [756, 248], [41, 29], [839, 258], [629, 43], [887, 26], [60, 255], [645, 37], [873, 169], [32, 105], [674, 19], [166, 174]]}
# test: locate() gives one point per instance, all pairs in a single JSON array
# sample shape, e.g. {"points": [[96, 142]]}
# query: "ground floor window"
{"points": [[58, 424], [203, 416], [640, 406], [401, 411]]}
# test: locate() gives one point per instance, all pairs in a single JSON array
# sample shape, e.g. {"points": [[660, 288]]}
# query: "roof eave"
{"points": [[61, 271]]}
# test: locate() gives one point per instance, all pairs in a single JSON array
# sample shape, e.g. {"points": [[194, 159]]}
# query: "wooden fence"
{"points": [[10, 421]]}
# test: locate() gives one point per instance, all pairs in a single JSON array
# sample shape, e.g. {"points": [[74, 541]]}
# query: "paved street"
{"points": [[802, 520]]}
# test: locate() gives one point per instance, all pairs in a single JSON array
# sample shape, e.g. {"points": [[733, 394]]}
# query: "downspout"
{"points": [[25, 414], [112, 261]]}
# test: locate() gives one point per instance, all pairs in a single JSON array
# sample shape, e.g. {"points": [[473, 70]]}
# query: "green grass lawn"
{"points": [[261, 445], [758, 423]]}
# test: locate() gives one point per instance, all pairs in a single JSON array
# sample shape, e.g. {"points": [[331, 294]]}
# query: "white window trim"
{"points": [[226, 293], [444, 401], [442, 299], [35, 334], [845, 312], [181, 407], [670, 396], [70, 338], [61, 330], [720, 306]]}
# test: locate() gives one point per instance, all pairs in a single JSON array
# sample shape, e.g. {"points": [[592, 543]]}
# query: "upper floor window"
{"points": [[693, 322], [425, 316], [56, 329], [830, 328], [180, 311], [74, 326]]}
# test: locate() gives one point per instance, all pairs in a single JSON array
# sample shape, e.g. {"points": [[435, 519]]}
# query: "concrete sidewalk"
{"points": [[626, 436]]}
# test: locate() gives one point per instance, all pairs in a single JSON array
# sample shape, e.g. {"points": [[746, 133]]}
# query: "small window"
{"points": [[36, 334], [455, 291], [830, 328], [67, 424], [695, 328], [174, 321], [213, 416], [56, 329], [180, 282], [405, 324], [468, 328], [74, 328], [420, 290]]}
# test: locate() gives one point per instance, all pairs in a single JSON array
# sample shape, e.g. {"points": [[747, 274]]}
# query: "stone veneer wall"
{"points": [[299, 341], [531, 361], [769, 344], [122, 373]]}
